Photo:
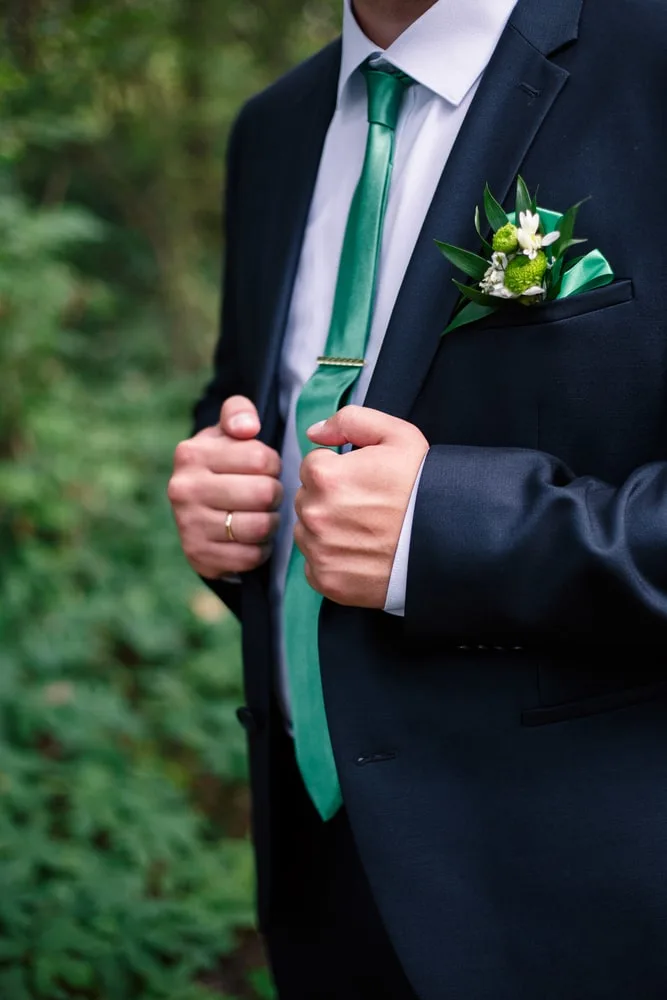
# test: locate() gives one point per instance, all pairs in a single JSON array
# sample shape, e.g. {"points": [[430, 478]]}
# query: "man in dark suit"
{"points": [[458, 723]]}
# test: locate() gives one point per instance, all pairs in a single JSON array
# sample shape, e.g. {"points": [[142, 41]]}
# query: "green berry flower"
{"points": [[506, 240], [524, 276]]}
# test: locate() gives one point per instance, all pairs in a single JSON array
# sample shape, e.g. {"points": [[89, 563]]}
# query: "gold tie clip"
{"points": [[343, 362]]}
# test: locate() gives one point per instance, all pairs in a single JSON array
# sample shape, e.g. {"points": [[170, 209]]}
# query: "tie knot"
{"points": [[385, 87]]}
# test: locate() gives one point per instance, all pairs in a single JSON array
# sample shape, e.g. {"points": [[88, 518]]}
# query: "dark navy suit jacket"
{"points": [[502, 749]]}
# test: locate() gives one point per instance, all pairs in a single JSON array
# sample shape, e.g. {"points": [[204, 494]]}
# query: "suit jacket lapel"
{"points": [[294, 169], [512, 101]]}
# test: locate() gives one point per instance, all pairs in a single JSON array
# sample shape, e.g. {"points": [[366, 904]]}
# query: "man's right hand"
{"points": [[220, 470]]}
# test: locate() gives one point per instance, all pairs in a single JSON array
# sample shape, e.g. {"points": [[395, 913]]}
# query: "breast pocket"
{"points": [[600, 364], [570, 308], [533, 376]]}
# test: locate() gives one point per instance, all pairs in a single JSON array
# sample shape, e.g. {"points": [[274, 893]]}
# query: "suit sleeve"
{"points": [[510, 545], [227, 377], [226, 380]]}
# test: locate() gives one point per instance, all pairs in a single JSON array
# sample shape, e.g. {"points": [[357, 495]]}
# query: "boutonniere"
{"points": [[526, 262]]}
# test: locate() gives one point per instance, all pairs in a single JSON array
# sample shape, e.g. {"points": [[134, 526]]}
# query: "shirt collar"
{"points": [[445, 50]]}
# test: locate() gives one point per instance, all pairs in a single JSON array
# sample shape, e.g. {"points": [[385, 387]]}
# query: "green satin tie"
{"points": [[324, 393]]}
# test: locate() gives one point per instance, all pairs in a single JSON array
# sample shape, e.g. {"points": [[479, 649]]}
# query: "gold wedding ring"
{"points": [[228, 526]]}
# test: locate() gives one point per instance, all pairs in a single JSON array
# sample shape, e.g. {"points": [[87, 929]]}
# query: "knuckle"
{"points": [[256, 458], [299, 501], [274, 494], [265, 493], [314, 517], [320, 470], [178, 490], [349, 415], [301, 539], [186, 525], [332, 587], [265, 526], [185, 453], [315, 577]]}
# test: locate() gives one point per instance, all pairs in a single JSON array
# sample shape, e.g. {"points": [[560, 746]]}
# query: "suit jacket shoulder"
{"points": [[284, 95], [630, 31]]}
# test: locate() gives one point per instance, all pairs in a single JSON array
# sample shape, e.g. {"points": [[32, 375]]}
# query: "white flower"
{"points": [[530, 240], [499, 260], [492, 278], [535, 290], [493, 282], [501, 292]]}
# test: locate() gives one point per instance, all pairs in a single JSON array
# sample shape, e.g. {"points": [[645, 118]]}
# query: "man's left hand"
{"points": [[351, 507]]}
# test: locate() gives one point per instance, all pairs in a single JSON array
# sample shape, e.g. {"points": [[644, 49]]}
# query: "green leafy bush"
{"points": [[125, 866], [125, 869]]}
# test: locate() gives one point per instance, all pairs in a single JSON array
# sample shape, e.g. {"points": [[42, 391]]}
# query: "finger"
{"points": [[299, 501], [309, 574], [217, 559], [303, 540], [239, 418], [223, 454], [248, 528], [358, 426], [240, 493]]}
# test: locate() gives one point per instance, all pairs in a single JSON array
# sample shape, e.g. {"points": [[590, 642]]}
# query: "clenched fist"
{"points": [[351, 507], [220, 470]]}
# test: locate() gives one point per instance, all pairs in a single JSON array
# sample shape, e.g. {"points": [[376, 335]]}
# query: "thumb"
{"points": [[356, 425], [239, 418]]}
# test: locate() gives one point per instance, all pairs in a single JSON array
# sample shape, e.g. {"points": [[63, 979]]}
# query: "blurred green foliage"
{"points": [[125, 866]]}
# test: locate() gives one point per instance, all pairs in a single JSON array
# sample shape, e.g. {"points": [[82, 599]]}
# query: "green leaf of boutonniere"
{"points": [[524, 203], [570, 243], [467, 262], [554, 284], [474, 295], [478, 226], [559, 268], [565, 227], [495, 213], [470, 313]]}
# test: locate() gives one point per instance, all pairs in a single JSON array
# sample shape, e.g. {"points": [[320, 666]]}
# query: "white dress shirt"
{"points": [[445, 52]]}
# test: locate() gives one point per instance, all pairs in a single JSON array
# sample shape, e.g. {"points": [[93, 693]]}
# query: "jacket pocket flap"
{"points": [[572, 307], [593, 706]]}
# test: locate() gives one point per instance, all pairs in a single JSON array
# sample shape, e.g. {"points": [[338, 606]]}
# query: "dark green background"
{"points": [[125, 867]]}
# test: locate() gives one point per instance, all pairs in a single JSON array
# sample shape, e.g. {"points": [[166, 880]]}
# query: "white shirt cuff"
{"points": [[398, 581]]}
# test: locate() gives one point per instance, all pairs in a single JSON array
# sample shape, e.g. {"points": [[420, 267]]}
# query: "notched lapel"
{"points": [[514, 97]]}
